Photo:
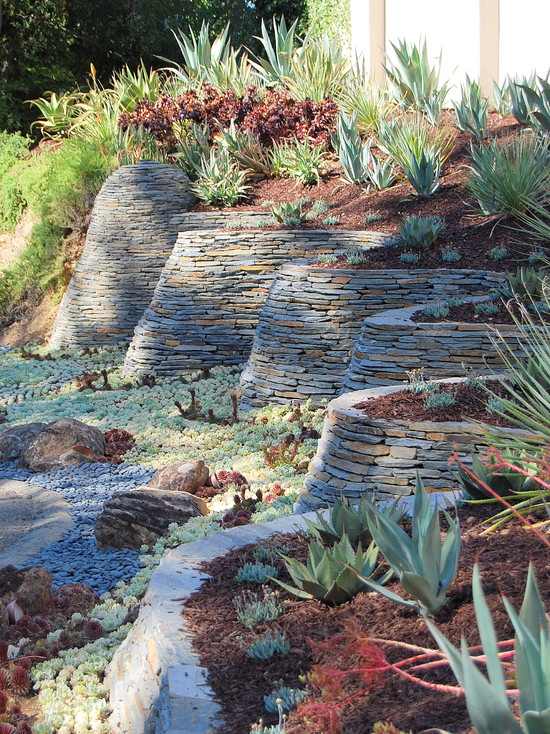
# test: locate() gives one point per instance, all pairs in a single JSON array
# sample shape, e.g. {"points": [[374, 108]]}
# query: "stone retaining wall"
{"points": [[358, 455], [155, 681], [312, 315], [392, 344], [205, 307], [135, 221]]}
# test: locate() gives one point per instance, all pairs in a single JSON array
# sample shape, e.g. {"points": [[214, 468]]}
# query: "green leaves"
{"points": [[220, 180], [332, 575], [471, 110], [486, 696], [425, 565], [359, 163]]}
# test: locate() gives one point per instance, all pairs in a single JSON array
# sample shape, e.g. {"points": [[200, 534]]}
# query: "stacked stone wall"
{"points": [[392, 344], [205, 307], [313, 314]]}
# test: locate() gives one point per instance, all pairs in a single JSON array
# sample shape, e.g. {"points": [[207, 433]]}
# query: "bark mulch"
{"points": [[240, 683]]}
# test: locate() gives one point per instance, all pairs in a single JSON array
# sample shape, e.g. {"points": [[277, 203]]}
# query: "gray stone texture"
{"points": [[205, 307], [358, 455], [392, 344], [313, 314], [135, 221]]}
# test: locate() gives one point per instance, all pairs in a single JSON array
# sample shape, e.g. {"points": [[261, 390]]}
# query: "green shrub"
{"points": [[13, 148], [510, 178]]}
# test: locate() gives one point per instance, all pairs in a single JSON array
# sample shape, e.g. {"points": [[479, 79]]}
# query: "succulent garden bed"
{"points": [[334, 662]]}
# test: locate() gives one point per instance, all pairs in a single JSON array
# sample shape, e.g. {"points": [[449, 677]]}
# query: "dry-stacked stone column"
{"points": [[313, 314], [392, 344], [358, 455], [205, 307], [130, 236]]}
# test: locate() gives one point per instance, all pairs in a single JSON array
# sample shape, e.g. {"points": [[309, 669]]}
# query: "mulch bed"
{"points": [[240, 683], [471, 403], [467, 230], [466, 313]]}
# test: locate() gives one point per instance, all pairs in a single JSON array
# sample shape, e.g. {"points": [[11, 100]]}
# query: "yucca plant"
{"points": [[510, 178], [199, 53], [318, 71], [298, 159], [424, 564], [247, 150], [278, 65], [488, 697], [345, 519], [416, 83], [220, 180], [418, 149], [471, 110], [332, 575]]}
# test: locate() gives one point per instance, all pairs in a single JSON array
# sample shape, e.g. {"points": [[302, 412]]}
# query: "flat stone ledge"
{"points": [[155, 681], [30, 519], [392, 344]]}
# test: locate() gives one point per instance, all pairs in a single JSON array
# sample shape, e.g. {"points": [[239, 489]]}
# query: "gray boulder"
{"points": [[61, 443], [141, 516], [186, 476], [14, 440]]}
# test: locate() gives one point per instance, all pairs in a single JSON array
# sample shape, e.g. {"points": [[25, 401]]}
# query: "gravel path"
{"points": [[75, 557]]}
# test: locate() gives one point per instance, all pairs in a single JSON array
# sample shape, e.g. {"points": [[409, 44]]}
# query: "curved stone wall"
{"points": [[205, 307], [392, 344], [358, 455], [135, 221], [312, 315]]}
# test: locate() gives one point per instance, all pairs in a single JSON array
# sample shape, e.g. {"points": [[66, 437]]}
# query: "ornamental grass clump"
{"points": [[510, 178], [489, 697], [424, 564], [333, 574]]}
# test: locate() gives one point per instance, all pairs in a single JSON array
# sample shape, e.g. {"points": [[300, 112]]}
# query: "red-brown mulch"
{"points": [[240, 683], [466, 313], [471, 403], [467, 230]]}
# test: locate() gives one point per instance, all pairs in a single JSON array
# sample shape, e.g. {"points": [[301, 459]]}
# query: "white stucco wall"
{"points": [[450, 29], [524, 37]]}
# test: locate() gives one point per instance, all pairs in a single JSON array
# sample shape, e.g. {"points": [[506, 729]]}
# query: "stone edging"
{"points": [[358, 455], [47, 521], [312, 315], [392, 344], [205, 307], [155, 681]]}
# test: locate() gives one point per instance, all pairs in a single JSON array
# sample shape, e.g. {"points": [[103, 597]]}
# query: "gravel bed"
{"points": [[76, 558]]}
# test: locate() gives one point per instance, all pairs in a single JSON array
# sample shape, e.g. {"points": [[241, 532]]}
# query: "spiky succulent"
{"points": [[418, 231], [487, 696], [253, 609], [256, 573], [268, 645], [345, 519], [331, 575], [287, 698], [504, 483], [425, 565]]}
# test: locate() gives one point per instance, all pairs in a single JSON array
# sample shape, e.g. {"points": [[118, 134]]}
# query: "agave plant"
{"points": [[418, 149], [415, 81], [471, 110], [503, 483], [278, 64], [538, 98], [220, 180], [345, 519], [130, 87], [359, 163], [57, 113], [487, 696], [424, 564], [332, 575], [521, 108]]}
